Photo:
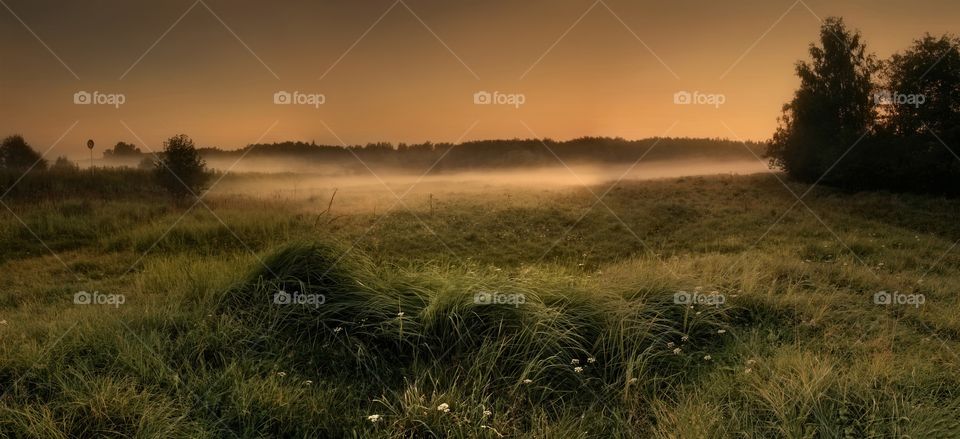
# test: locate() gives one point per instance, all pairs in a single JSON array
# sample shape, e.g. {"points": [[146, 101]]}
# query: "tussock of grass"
{"points": [[431, 331]]}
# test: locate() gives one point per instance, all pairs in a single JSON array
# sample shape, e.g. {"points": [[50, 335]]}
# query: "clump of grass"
{"points": [[559, 343]]}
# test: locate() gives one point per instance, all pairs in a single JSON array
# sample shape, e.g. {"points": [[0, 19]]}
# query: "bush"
{"points": [[64, 164]]}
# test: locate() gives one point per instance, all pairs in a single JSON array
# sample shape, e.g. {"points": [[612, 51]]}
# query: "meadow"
{"points": [[777, 332]]}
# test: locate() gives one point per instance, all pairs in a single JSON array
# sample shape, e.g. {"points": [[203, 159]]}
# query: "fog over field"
{"points": [[272, 182]]}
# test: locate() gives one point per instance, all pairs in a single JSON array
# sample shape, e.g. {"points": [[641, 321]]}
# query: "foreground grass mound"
{"points": [[474, 340]]}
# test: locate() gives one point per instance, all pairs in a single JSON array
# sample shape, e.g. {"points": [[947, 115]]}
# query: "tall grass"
{"points": [[200, 348]]}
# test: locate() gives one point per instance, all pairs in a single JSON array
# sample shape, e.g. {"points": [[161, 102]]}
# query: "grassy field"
{"points": [[589, 342]]}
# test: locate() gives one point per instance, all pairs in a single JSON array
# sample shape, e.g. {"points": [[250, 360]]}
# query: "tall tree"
{"points": [[831, 110]]}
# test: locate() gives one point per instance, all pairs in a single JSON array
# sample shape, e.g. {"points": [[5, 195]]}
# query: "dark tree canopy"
{"points": [[929, 71], [833, 107], [122, 149], [16, 154], [846, 128], [179, 169]]}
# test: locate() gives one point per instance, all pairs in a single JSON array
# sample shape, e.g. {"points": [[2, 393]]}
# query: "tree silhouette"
{"points": [[924, 84], [179, 168], [831, 110], [897, 139], [122, 149], [16, 154]]}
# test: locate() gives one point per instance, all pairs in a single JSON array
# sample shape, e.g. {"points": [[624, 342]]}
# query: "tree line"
{"points": [[861, 123], [481, 154], [181, 168]]}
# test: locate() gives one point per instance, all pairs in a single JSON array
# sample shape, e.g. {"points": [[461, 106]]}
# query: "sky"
{"points": [[415, 70]]}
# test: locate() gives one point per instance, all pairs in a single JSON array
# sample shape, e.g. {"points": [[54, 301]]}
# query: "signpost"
{"points": [[90, 147]]}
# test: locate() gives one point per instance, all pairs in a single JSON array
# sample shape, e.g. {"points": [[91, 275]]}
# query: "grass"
{"points": [[199, 348]]}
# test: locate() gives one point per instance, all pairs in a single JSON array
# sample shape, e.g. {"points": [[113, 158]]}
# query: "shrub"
{"points": [[64, 164]]}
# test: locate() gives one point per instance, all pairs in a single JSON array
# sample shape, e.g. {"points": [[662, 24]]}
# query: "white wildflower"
{"points": [[578, 369], [373, 418], [443, 408]]}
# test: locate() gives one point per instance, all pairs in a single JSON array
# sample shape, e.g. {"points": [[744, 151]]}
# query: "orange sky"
{"points": [[411, 76]]}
